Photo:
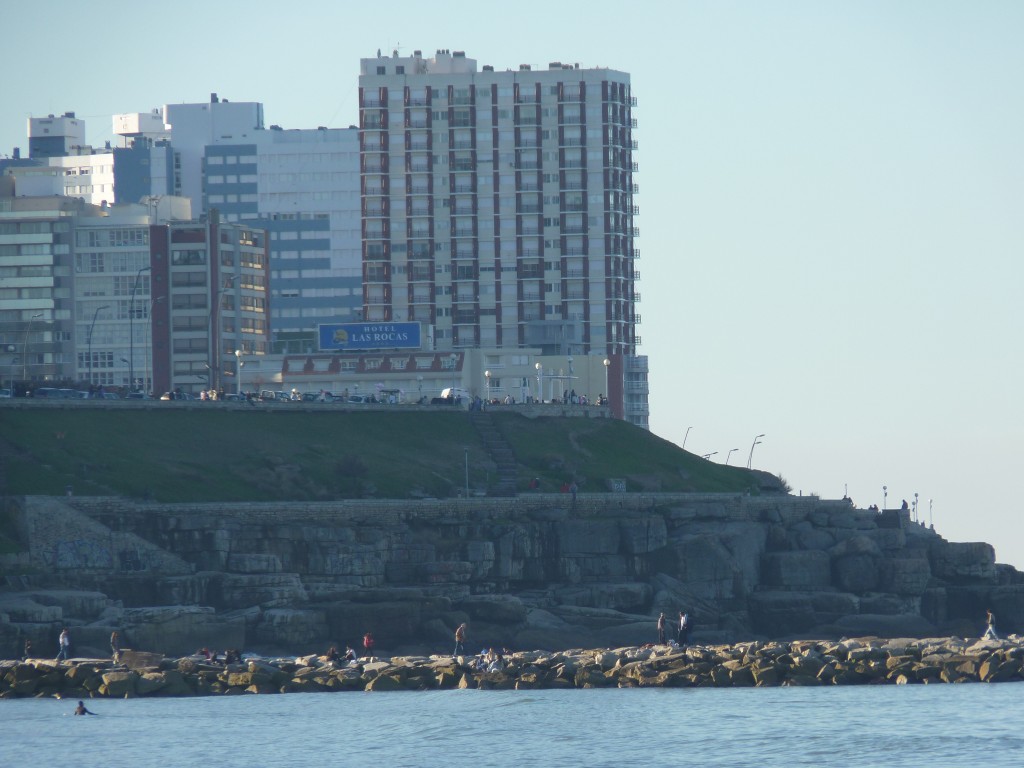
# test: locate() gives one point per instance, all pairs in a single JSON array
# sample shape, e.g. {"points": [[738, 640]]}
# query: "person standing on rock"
{"points": [[661, 629], [65, 645], [990, 630], [368, 643], [115, 646], [460, 641], [684, 629]]}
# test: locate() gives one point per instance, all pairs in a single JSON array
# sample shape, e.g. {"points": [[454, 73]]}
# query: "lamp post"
{"points": [[453, 357], [709, 455], [729, 456], [608, 362], [10, 349], [238, 371], [572, 387], [131, 330], [419, 386], [91, 327], [686, 436], [915, 507], [750, 458], [540, 380], [885, 497], [931, 522], [487, 377], [24, 346]]}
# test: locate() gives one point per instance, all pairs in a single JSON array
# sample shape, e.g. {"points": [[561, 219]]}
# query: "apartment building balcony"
{"points": [[530, 209], [463, 145], [573, 230], [372, 103], [463, 122], [420, 275], [419, 146], [575, 207], [419, 189], [373, 210], [529, 187], [463, 165], [575, 273], [528, 142], [572, 143], [463, 232], [420, 210], [419, 123], [373, 123], [527, 165], [574, 252], [529, 253], [573, 164], [417, 101]]}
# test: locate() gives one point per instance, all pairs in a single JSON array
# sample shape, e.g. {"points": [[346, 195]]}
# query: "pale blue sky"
{"points": [[831, 201]]}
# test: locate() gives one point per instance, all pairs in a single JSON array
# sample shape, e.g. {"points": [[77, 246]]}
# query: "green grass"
{"points": [[275, 454]]}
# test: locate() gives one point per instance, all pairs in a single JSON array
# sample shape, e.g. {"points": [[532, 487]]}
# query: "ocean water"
{"points": [[934, 726]]}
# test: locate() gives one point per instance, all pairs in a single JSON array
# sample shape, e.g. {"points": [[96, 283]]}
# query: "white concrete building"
{"points": [[193, 127], [498, 206]]}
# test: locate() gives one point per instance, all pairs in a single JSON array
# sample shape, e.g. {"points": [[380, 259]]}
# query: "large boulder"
{"points": [[963, 562], [778, 614], [499, 609], [291, 630], [905, 575], [587, 537], [797, 569], [179, 630], [628, 596]]}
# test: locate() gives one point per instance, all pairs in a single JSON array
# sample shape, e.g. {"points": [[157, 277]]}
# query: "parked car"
{"points": [[111, 396], [138, 396], [5, 394]]}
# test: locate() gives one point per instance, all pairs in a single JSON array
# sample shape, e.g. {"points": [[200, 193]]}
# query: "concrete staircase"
{"points": [[501, 454]]}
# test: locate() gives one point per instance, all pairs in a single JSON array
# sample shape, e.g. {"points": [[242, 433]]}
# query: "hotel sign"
{"points": [[350, 337]]}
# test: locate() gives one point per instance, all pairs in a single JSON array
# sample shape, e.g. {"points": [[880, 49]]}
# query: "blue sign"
{"points": [[348, 337]]}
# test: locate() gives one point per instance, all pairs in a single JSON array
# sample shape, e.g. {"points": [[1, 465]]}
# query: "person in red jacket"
{"points": [[368, 643]]}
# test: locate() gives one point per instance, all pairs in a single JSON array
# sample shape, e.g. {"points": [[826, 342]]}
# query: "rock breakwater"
{"points": [[858, 661]]}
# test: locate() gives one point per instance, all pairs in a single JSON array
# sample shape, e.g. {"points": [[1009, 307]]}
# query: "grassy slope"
{"points": [[263, 454]]}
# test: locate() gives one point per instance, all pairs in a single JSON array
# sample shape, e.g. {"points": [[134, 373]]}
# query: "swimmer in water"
{"points": [[81, 710]]}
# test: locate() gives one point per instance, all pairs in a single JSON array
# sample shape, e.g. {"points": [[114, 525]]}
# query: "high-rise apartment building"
{"points": [[498, 206]]}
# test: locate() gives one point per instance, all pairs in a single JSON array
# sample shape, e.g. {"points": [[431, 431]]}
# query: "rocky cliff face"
{"points": [[531, 572]]}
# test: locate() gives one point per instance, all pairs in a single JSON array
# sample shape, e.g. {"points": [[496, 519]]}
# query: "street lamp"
{"points": [[419, 386], [885, 497], [487, 376], [915, 508], [453, 357], [540, 379], [608, 362], [24, 347], [750, 458], [91, 327], [709, 455], [729, 456], [238, 370], [686, 436], [131, 330]]}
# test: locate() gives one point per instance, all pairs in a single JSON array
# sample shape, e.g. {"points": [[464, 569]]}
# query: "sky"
{"points": [[831, 202]]}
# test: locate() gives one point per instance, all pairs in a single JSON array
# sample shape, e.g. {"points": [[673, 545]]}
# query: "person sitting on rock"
{"points": [[332, 654]]}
